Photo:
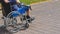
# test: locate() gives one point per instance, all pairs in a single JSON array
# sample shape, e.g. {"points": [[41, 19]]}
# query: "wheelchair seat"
{"points": [[21, 10]]}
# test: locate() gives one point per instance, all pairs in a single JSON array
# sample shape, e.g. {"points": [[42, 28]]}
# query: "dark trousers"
{"points": [[6, 9]]}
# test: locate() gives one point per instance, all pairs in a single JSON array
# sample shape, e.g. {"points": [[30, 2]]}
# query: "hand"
{"points": [[6, 1], [17, 1]]}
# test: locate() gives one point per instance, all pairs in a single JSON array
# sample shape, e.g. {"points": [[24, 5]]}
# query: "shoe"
{"points": [[30, 19]]}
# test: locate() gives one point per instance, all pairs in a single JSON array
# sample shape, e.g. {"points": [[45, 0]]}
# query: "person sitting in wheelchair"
{"points": [[14, 2]]}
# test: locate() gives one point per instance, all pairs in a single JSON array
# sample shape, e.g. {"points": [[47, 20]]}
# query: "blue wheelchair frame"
{"points": [[21, 9]]}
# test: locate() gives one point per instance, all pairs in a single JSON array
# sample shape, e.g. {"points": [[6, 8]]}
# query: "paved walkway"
{"points": [[47, 19]]}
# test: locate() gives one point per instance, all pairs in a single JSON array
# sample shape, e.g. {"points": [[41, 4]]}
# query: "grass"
{"points": [[31, 1], [28, 2]]}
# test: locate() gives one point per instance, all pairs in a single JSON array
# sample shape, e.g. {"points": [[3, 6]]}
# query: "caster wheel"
{"points": [[26, 26]]}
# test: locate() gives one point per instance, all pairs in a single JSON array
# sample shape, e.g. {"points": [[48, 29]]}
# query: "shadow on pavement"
{"points": [[4, 31]]}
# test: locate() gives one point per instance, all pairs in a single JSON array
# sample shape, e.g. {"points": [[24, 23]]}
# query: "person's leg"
{"points": [[5, 11], [28, 13], [29, 17]]}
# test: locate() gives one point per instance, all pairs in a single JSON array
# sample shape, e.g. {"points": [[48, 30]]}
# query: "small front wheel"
{"points": [[26, 26]]}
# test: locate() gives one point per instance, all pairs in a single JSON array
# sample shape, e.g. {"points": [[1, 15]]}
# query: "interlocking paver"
{"points": [[47, 19]]}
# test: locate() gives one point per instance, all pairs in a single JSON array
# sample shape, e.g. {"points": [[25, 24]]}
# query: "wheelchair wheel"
{"points": [[16, 23]]}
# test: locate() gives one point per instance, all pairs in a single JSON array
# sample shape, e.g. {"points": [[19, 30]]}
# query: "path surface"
{"points": [[47, 19]]}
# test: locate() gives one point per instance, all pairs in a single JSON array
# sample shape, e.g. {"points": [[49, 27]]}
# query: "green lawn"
{"points": [[31, 1]]}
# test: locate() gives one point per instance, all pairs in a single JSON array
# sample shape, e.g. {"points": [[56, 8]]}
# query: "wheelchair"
{"points": [[15, 21]]}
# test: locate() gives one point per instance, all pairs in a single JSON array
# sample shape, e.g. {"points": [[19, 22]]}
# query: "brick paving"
{"points": [[47, 19]]}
